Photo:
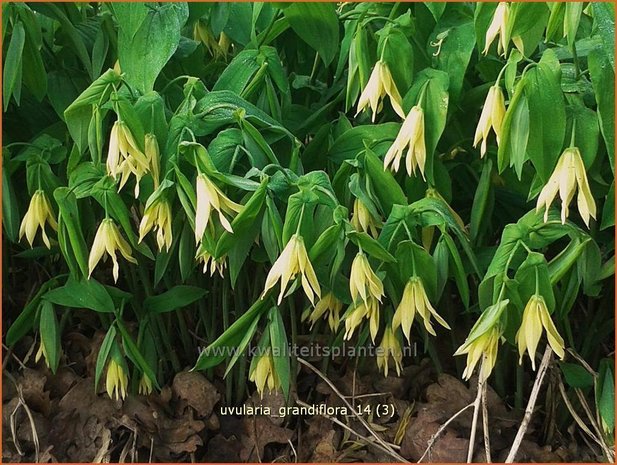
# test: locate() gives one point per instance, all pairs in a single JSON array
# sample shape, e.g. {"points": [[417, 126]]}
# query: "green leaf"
{"points": [[576, 376], [317, 25], [547, 116], [175, 298], [605, 394], [139, 59], [370, 246], [134, 354], [87, 293], [24, 322], [378, 137], [69, 217], [512, 149], [50, 335], [603, 80], [280, 350], [11, 79], [10, 210], [604, 20], [103, 355], [222, 347], [455, 52], [480, 200], [387, 190], [245, 222]]}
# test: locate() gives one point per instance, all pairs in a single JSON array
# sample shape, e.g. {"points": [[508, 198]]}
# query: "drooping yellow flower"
{"points": [[362, 219], [366, 292], [484, 346], [363, 282], [410, 137], [264, 374], [157, 215], [124, 156], [569, 174], [389, 347], [42, 352], [224, 43], [116, 381], [379, 85], [213, 265], [145, 385], [209, 197], [498, 27], [414, 301], [362, 309], [293, 261], [535, 318], [39, 212], [108, 240], [153, 156], [328, 306], [491, 117]]}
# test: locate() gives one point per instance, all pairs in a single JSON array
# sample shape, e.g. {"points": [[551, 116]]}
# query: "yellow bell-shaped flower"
{"points": [[293, 261], [491, 118], [210, 197], [363, 221], [264, 374], [116, 381], [108, 240], [389, 347], [157, 215], [39, 212], [379, 85], [410, 137], [568, 176], [327, 307], [483, 347], [536, 318], [414, 301], [498, 27]]}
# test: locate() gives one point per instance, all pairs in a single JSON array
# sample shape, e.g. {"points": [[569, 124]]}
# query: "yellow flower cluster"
{"points": [[366, 293], [116, 381], [264, 374], [293, 261], [39, 213]]}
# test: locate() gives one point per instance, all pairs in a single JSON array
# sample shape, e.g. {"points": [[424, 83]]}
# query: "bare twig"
{"points": [[441, 430], [387, 446], [533, 397], [474, 422], [610, 456], [579, 421], [487, 438], [368, 441]]}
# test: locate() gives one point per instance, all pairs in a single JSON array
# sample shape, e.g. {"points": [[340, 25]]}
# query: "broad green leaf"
{"points": [[103, 355], [175, 298], [576, 376], [317, 25], [87, 293], [603, 80], [11, 79], [280, 350], [139, 59]]}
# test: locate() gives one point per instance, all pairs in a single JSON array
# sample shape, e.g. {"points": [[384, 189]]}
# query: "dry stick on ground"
{"points": [[441, 430], [474, 422], [369, 441], [579, 421], [548, 352], [353, 410], [610, 455], [487, 439]]}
